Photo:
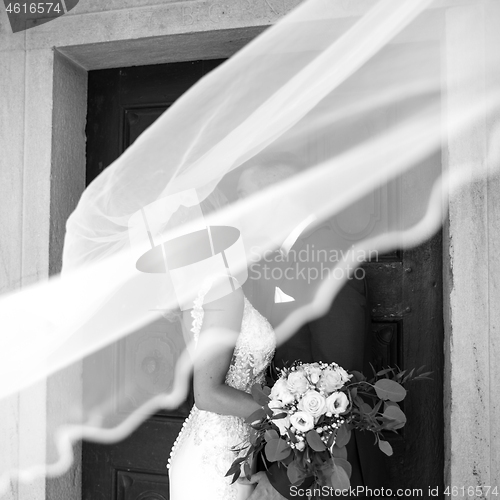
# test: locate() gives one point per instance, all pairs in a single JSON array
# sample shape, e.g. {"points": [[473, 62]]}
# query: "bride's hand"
{"points": [[264, 489]]}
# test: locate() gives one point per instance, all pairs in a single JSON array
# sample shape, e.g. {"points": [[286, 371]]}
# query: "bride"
{"points": [[223, 375], [222, 381]]}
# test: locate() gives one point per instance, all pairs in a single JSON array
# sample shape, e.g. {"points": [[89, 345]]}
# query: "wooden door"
{"points": [[406, 308], [122, 103], [407, 328]]}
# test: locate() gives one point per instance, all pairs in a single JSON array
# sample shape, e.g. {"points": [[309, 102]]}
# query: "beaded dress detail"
{"points": [[202, 453]]}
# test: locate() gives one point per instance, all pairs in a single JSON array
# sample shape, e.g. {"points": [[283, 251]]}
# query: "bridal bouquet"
{"points": [[309, 413]]}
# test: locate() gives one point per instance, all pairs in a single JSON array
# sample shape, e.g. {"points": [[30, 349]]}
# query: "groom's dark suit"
{"points": [[342, 335]]}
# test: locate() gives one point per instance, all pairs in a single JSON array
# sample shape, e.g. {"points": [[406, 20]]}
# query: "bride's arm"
{"points": [[212, 361]]}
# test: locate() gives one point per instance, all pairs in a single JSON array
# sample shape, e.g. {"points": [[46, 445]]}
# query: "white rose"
{"points": [[297, 382], [313, 403], [315, 372], [281, 392], [343, 374], [302, 421], [337, 403], [331, 380]]}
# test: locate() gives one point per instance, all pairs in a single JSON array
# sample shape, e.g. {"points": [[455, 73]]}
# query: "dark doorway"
{"points": [[405, 293]]}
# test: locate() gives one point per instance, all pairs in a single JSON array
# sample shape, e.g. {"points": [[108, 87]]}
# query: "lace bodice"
{"points": [[253, 352], [214, 435]]}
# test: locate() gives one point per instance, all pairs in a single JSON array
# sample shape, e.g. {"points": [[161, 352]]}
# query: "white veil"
{"points": [[357, 103]]}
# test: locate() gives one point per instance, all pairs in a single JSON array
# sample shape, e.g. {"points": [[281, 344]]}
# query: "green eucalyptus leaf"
{"points": [[259, 395], [339, 451], [390, 403], [358, 401], [270, 435], [385, 446], [366, 408], [389, 389], [410, 375], [279, 416], [236, 476], [376, 408], [396, 414], [254, 437], [295, 473], [342, 462], [257, 415], [235, 467], [385, 372], [323, 472], [340, 479], [247, 470], [343, 436], [317, 460], [357, 376], [314, 441], [277, 450]]}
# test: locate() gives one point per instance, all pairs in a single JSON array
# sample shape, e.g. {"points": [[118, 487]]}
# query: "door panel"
{"points": [[122, 104], [405, 290], [407, 327]]}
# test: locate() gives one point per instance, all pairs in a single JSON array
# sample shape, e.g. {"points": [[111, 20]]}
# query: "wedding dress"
{"points": [[202, 453]]}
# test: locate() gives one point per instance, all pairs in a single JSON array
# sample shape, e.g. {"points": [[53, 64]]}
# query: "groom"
{"points": [[341, 335]]}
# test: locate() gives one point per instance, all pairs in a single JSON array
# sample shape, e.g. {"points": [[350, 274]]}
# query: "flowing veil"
{"points": [[362, 109]]}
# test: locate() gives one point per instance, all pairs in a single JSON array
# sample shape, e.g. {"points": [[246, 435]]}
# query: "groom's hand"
{"points": [[264, 489]]}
